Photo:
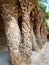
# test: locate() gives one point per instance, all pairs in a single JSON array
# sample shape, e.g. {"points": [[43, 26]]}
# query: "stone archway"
{"points": [[20, 43]]}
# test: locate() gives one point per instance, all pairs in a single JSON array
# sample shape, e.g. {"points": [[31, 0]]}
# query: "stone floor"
{"points": [[4, 58], [41, 58]]}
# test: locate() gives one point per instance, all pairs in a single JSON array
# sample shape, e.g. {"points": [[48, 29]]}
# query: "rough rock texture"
{"points": [[43, 32], [38, 58], [19, 38], [3, 40], [39, 16]]}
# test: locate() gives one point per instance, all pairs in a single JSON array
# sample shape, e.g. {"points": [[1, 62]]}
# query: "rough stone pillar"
{"points": [[39, 16], [33, 38], [43, 32], [9, 13], [26, 7]]}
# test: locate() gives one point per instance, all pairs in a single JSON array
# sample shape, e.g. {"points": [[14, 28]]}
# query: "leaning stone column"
{"points": [[26, 51], [9, 13], [38, 20], [43, 32], [33, 38]]}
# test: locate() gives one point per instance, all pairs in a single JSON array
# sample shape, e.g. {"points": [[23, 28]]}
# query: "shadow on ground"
{"points": [[4, 58], [38, 58]]}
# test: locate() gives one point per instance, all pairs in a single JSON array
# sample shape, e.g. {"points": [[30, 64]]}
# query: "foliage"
{"points": [[47, 15], [47, 27], [43, 7]]}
